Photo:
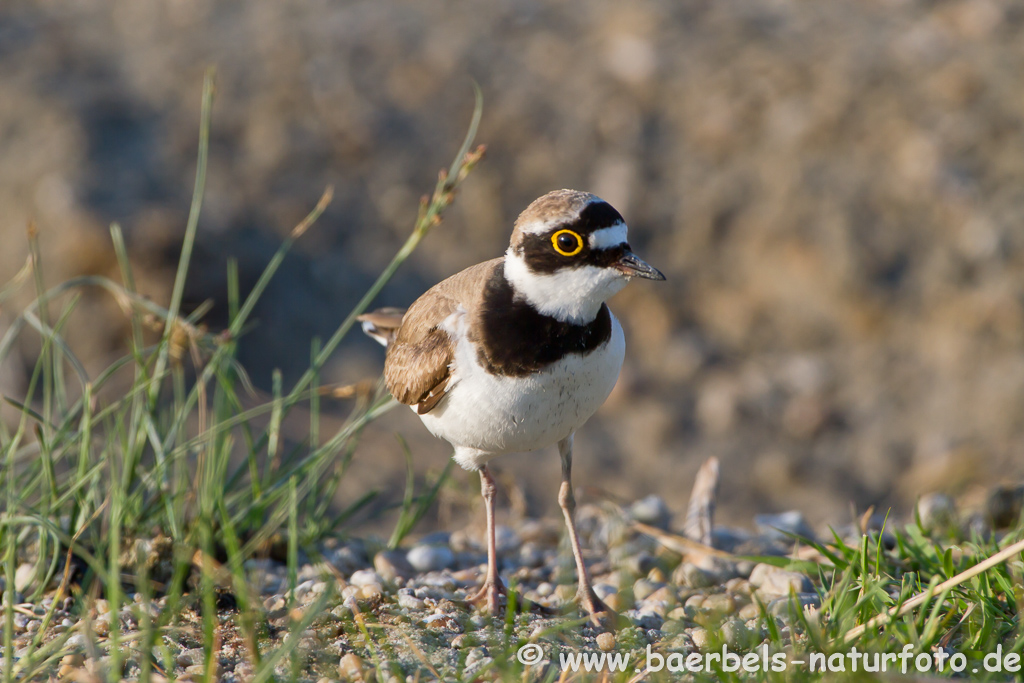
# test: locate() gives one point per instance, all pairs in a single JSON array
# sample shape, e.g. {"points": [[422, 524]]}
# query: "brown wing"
{"points": [[418, 365]]}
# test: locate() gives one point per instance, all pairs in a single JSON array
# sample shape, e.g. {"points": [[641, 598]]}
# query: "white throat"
{"points": [[571, 295]]}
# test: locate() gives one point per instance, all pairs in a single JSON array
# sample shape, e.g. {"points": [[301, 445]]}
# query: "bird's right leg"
{"points": [[492, 588]]}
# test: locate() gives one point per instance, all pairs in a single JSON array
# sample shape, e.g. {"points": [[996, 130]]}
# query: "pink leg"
{"points": [[492, 588], [585, 593]]}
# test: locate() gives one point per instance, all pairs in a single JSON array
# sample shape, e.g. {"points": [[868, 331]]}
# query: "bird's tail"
{"points": [[382, 324]]}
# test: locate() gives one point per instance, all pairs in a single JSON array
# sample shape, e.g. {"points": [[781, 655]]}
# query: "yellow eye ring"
{"points": [[564, 252]]}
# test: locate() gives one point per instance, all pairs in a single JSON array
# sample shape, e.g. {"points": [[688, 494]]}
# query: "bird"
{"points": [[516, 353]]}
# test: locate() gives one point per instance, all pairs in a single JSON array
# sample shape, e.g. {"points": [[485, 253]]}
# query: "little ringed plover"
{"points": [[516, 353]]}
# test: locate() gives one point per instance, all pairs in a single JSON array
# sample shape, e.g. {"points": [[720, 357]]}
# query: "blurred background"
{"points": [[835, 191]]}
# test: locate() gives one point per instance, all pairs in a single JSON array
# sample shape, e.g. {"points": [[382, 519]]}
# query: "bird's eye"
{"points": [[567, 243]]}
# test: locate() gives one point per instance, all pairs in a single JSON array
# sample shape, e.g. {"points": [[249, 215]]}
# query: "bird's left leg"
{"points": [[585, 593]]}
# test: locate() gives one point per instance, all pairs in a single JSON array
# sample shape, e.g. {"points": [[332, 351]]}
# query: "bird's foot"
{"points": [[601, 615], [489, 596]]}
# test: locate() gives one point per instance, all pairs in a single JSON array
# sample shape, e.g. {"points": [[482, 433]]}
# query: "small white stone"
{"points": [[771, 580], [23, 577], [303, 589], [365, 577], [411, 602], [699, 636], [428, 558]]}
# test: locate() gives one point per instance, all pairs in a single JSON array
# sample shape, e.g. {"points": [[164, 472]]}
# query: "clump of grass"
{"points": [[168, 487]]}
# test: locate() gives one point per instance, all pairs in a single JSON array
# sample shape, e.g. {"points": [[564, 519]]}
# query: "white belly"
{"points": [[486, 415]]}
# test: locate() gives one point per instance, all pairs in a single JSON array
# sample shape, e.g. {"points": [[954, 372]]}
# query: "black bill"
{"points": [[633, 266]]}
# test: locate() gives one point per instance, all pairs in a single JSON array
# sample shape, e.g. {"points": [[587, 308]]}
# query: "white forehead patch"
{"points": [[608, 237], [540, 227]]}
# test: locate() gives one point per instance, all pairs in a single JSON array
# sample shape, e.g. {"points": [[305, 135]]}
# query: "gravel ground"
{"points": [[414, 600]]}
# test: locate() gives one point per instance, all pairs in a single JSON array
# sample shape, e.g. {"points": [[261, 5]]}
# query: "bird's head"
{"points": [[569, 254]]}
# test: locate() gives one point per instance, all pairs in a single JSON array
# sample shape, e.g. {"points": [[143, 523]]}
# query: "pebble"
{"points": [[461, 541], [102, 624], [728, 538], [975, 524], [371, 591], [347, 558], [750, 611], [699, 636], [719, 604], [779, 526], [741, 599], [637, 563], [351, 666], [659, 607], [679, 642], [784, 607], [440, 581], [689, 574], [735, 634], [303, 589], [69, 664], [648, 619], [665, 595], [442, 621], [695, 602], [771, 580], [392, 564], [679, 613], [565, 593], [477, 658], [937, 513], [651, 510], [197, 670], [642, 588], [23, 577], [605, 642], [532, 555], [428, 558], [407, 600], [365, 577], [673, 626], [1003, 506]]}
